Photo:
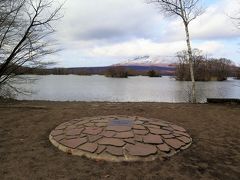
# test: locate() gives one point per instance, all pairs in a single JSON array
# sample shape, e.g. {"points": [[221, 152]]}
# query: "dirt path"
{"points": [[26, 153]]}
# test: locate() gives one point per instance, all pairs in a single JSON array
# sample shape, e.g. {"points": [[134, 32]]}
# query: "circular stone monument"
{"points": [[120, 138]]}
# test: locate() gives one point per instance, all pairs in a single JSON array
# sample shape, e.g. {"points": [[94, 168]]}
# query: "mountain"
{"points": [[137, 66], [157, 61], [143, 64]]}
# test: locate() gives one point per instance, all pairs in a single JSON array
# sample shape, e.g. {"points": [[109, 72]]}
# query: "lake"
{"points": [[132, 89]]}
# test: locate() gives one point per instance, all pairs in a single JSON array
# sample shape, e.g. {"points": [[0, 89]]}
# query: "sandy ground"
{"points": [[26, 153]]}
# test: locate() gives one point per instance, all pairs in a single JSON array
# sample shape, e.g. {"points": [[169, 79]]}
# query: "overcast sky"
{"points": [[104, 32]]}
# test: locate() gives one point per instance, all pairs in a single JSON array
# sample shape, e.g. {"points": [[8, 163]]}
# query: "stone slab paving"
{"points": [[120, 138]]}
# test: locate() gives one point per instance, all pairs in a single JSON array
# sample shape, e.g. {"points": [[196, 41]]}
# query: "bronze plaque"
{"points": [[120, 122]]}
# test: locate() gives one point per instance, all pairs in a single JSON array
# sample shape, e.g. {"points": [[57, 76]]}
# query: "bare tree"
{"points": [[187, 10], [25, 29], [117, 72], [237, 19], [205, 69], [238, 22]]}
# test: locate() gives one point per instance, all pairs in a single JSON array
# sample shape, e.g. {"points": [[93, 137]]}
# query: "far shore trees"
{"points": [[153, 73], [238, 73], [187, 10], [117, 72], [237, 20], [205, 69], [26, 27]]}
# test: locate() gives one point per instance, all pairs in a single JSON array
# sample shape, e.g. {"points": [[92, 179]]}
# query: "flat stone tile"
{"points": [[61, 127], [56, 132], [111, 141], [89, 147], [158, 131], [101, 121], [175, 143], [116, 151], [80, 126], [65, 124], [178, 128], [72, 132], [168, 136], [71, 137], [59, 137], [143, 119], [82, 135], [141, 149], [74, 121], [119, 128], [159, 123], [163, 147], [100, 149], [93, 138], [140, 132], [167, 128], [184, 139], [177, 135], [73, 143], [108, 133], [141, 127], [101, 124], [130, 141], [132, 118], [124, 135], [82, 122], [71, 127], [180, 133], [89, 124], [152, 126], [92, 130], [138, 138], [152, 139], [138, 122]]}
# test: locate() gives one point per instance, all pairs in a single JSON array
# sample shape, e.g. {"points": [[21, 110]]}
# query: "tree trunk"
{"points": [[190, 58]]}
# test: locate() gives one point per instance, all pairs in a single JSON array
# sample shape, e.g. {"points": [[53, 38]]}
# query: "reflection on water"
{"points": [[132, 89]]}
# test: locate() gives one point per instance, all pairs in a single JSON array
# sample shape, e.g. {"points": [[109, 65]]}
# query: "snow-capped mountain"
{"points": [[149, 61]]}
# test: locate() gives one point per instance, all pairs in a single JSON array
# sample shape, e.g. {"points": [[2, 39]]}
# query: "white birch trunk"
{"points": [[190, 56], [190, 59]]}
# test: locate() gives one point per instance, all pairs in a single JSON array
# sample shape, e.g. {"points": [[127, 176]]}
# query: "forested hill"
{"points": [[134, 70]]}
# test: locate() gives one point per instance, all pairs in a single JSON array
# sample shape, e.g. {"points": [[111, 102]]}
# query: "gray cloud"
{"points": [[109, 34], [115, 29], [108, 20]]}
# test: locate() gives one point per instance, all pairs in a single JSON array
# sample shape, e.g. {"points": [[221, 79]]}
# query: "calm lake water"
{"points": [[132, 89]]}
